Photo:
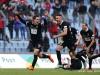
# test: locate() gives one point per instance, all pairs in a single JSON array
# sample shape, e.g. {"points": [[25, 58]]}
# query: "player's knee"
{"points": [[59, 48], [72, 52], [72, 55], [36, 51], [40, 54]]}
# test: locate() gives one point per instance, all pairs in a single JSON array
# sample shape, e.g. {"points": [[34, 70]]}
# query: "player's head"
{"points": [[36, 19], [46, 13], [59, 18], [84, 26]]}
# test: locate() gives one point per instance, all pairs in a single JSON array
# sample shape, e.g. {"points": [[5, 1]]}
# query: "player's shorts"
{"points": [[76, 64], [35, 44], [71, 45], [92, 49]]}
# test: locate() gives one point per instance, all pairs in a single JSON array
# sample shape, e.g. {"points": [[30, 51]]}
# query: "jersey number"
{"points": [[33, 31]]}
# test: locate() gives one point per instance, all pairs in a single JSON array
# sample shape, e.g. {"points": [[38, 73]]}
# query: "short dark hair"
{"points": [[34, 17], [58, 15], [85, 24]]}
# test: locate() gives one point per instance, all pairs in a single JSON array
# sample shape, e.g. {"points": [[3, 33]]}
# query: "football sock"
{"points": [[59, 57], [34, 60], [95, 56], [90, 63]]}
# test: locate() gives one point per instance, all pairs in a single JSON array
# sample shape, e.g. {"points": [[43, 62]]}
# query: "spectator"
{"points": [[82, 12], [1, 27], [10, 25], [23, 29], [47, 5], [56, 7], [64, 7], [92, 13], [17, 25]]}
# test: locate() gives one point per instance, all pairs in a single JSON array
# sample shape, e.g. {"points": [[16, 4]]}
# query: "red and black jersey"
{"points": [[87, 36]]}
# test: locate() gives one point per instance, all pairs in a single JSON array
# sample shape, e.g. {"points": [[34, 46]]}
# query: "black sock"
{"points": [[90, 63], [72, 66], [95, 56], [45, 56], [82, 59], [34, 61], [82, 53], [59, 57]]}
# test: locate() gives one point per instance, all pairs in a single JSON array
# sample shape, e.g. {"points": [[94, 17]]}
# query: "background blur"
{"points": [[14, 35]]}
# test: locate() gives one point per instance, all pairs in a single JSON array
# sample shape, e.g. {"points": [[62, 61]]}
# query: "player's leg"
{"points": [[72, 49], [91, 57], [90, 54], [92, 50], [90, 62], [36, 51], [43, 55], [82, 56], [95, 56], [58, 49]]}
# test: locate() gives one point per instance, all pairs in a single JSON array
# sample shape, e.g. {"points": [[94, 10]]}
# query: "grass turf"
{"points": [[45, 72]]}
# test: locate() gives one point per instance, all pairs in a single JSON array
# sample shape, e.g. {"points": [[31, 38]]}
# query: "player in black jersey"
{"points": [[36, 40], [76, 64], [68, 35], [89, 43]]}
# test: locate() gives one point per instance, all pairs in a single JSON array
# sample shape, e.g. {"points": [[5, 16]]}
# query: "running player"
{"points": [[36, 39]]}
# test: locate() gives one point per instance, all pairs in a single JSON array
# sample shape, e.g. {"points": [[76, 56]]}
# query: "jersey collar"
{"points": [[61, 22]]}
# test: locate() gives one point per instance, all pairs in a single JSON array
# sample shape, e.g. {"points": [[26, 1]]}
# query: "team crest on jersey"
{"points": [[65, 26]]}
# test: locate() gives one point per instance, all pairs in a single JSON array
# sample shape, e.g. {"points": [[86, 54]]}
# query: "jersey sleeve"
{"points": [[66, 25]]}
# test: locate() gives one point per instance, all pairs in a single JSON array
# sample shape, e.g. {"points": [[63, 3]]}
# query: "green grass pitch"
{"points": [[45, 72]]}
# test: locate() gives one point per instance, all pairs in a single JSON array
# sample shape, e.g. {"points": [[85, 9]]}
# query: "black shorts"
{"points": [[35, 44], [92, 49], [71, 45], [76, 64]]}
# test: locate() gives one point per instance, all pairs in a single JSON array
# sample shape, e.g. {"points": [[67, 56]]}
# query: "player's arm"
{"points": [[79, 38], [92, 42], [63, 33], [22, 20]]}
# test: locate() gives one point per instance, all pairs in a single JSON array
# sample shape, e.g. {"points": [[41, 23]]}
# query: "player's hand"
{"points": [[84, 46], [87, 49], [55, 36]]}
